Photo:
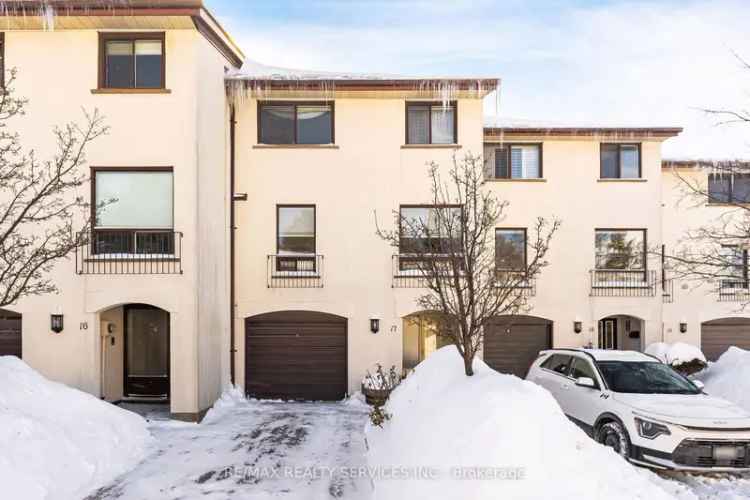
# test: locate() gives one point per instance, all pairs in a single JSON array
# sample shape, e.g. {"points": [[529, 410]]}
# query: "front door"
{"points": [[146, 351], [608, 333]]}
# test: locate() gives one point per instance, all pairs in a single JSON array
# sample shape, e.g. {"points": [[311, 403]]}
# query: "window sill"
{"points": [[621, 180], [131, 91], [295, 146], [496, 179], [431, 146]]}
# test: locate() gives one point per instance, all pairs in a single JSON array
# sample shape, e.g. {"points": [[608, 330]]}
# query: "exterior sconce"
{"points": [[577, 325], [56, 323], [683, 326], [374, 325]]}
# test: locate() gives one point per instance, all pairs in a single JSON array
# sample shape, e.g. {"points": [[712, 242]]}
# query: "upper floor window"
{"points": [[510, 249], [295, 123], [736, 266], [621, 249], [518, 161], [620, 161], [138, 211], [295, 238], [428, 228], [131, 60], [729, 188], [431, 123], [2, 59]]}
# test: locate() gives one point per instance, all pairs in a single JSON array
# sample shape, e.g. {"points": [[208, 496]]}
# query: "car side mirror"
{"points": [[698, 384], [586, 382]]}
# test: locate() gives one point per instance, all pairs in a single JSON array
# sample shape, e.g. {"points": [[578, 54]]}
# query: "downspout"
{"points": [[232, 229]]}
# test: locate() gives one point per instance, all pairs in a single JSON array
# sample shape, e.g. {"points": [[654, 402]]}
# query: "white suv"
{"points": [[644, 410]]}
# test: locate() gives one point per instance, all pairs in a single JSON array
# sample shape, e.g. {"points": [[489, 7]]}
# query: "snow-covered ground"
{"points": [[729, 377], [57, 443], [257, 450], [676, 354]]}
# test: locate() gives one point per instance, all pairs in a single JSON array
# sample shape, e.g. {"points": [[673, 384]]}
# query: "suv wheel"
{"points": [[613, 435]]}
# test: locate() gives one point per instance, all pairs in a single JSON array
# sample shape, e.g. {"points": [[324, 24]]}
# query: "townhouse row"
{"points": [[242, 247]]}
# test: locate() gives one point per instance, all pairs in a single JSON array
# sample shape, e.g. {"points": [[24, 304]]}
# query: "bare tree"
{"points": [[450, 247], [39, 201]]}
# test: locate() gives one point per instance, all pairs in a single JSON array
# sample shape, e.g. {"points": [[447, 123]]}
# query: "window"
{"points": [[557, 363], [729, 188], [137, 212], [620, 161], [131, 60], [510, 249], [735, 259], [621, 249], [295, 123], [634, 377], [582, 368], [431, 123], [295, 237], [2, 59], [427, 230], [518, 161]]}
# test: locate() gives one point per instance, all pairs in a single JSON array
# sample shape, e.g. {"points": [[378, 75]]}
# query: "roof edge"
{"points": [[481, 85], [661, 132]]}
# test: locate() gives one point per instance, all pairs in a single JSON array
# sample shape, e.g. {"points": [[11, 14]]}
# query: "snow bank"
{"points": [[60, 443], [729, 377], [445, 423], [675, 354]]}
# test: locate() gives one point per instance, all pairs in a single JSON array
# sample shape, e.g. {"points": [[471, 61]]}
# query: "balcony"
{"points": [[622, 283], [734, 290], [410, 271], [294, 271], [130, 252]]}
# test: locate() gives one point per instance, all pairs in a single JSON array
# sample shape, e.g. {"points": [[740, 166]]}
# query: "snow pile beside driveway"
{"points": [[729, 377], [60, 443], [675, 354], [503, 437]]}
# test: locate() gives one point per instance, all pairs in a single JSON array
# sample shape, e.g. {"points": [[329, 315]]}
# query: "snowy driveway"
{"points": [[255, 450]]}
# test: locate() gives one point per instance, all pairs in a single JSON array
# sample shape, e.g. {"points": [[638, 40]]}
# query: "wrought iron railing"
{"points": [[411, 271], [622, 283], [130, 252], [294, 271], [734, 290]]}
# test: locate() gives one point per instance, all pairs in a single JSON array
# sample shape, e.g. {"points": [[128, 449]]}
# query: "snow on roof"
{"points": [[497, 125]]}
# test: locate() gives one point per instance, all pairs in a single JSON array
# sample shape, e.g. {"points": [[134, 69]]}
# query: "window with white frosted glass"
{"points": [[431, 123], [518, 161]]}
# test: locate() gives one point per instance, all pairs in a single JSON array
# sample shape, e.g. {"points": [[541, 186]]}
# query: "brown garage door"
{"points": [[10, 334], [512, 343], [295, 355], [718, 335]]}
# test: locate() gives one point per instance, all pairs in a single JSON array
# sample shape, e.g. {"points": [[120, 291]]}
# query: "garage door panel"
{"points": [[10, 335], [296, 355], [514, 351], [718, 335]]}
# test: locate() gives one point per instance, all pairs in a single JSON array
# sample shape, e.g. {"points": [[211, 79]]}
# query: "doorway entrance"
{"points": [[621, 332], [146, 352]]}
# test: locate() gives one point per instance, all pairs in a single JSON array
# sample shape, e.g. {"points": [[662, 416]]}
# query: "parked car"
{"points": [[644, 410]]}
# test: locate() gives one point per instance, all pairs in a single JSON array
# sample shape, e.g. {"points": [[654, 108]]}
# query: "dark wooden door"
{"points": [[298, 355], [512, 343], [146, 351], [718, 335], [608, 334], [10, 334]]}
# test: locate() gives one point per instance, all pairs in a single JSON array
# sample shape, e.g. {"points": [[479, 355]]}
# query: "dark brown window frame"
{"points": [[105, 37], [125, 230], [730, 193], [2, 59], [525, 268], [280, 259], [619, 163], [453, 104], [507, 147], [405, 256], [621, 229], [743, 281], [295, 104]]}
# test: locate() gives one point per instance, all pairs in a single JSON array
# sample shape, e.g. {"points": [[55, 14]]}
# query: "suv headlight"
{"points": [[650, 430]]}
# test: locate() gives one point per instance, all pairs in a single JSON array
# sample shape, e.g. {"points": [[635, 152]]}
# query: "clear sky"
{"points": [[617, 62]]}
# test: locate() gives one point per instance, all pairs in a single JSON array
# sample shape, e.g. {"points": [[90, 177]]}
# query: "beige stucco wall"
{"points": [[694, 302], [57, 71]]}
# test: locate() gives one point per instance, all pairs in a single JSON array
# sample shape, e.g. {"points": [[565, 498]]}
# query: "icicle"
{"points": [[48, 17]]}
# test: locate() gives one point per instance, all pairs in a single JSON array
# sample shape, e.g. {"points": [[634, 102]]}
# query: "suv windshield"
{"points": [[639, 377]]}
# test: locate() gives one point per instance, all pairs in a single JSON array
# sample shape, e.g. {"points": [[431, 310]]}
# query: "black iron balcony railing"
{"points": [[130, 252], [622, 283], [294, 271], [734, 290], [410, 271]]}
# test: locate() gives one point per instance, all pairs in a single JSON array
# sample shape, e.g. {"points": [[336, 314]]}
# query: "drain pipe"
{"points": [[232, 229]]}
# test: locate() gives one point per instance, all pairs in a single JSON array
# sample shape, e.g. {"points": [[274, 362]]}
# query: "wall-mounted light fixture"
{"points": [[56, 323], [577, 325], [683, 326], [374, 325]]}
